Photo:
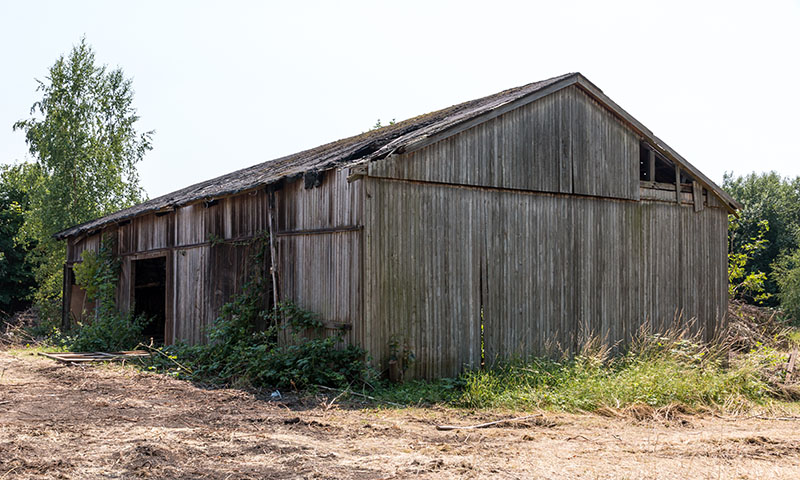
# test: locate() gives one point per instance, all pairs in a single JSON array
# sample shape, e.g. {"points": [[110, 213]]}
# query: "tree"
{"points": [[82, 134], [786, 273], [770, 197], [16, 273]]}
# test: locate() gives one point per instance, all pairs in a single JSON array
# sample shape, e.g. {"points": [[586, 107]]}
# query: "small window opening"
{"points": [[653, 167], [150, 295], [645, 175], [664, 171]]}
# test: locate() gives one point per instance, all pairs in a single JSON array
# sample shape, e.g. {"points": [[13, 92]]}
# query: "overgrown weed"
{"points": [[662, 372]]}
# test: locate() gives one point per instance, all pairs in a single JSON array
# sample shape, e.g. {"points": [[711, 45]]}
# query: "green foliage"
{"points": [[108, 329], [422, 392], [786, 273], [82, 134], [238, 353], [16, 273], [656, 370], [378, 124], [585, 383], [776, 200], [254, 345], [743, 283], [97, 274], [112, 331]]}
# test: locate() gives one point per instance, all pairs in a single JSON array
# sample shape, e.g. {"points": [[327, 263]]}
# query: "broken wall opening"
{"points": [[150, 295], [78, 305]]}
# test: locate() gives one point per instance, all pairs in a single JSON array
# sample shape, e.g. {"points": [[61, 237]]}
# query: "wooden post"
{"points": [[66, 295], [697, 193], [678, 184], [652, 167], [790, 367], [273, 255]]}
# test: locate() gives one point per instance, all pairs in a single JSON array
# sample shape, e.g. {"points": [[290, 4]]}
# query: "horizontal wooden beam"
{"points": [[320, 231]]}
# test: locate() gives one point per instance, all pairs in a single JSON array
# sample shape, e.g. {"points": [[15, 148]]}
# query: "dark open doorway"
{"points": [[150, 295]]}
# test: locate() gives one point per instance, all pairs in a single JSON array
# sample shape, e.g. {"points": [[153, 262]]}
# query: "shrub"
{"points": [[252, 344], [238, 353], [107, 329], [111, 332], [786, 273]]}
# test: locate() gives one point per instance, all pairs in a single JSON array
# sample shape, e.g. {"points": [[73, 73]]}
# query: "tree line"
{"points": [[766, 233]]}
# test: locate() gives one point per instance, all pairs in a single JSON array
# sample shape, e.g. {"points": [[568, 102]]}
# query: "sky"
{"points": [[226, 85]]}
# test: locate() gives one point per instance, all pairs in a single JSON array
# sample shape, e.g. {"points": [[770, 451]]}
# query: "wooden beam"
{"points": [[273, 254], [697, 194], [319, 231], [66, 286], [678, 184], [356, 173]]}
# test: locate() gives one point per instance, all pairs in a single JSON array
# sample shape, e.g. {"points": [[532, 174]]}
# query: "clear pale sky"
{"points": [[229, 84]]}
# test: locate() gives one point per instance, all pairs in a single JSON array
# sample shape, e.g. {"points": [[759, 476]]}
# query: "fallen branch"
{"points": [[8, 473], [360, 395], [757, 417], [488, 424], [785, 419], [161, 352]]}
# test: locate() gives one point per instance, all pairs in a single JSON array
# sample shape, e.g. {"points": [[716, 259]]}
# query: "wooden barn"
{"points": [[502, 226]]}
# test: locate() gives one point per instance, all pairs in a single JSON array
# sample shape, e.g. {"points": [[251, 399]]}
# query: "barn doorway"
{"points": [[150, 295]]}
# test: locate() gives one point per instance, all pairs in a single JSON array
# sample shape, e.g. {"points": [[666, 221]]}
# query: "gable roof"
{"points": [[400, 137]]}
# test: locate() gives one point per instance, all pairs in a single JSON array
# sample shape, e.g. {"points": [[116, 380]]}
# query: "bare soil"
{"points": [[61, 421]]}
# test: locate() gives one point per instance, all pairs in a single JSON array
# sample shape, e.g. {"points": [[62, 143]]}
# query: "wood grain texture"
{"points": [[547, 271], [565, 142]]}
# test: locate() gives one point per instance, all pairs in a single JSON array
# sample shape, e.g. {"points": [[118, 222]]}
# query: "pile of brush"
{"points": [[14, 328], [751, 327], [755, 331]]}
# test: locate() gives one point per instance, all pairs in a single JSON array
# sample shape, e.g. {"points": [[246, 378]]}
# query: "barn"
{"points": [[503, 226]]}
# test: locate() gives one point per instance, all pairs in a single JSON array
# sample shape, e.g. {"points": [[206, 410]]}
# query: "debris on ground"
{"points": [[93, 357]]}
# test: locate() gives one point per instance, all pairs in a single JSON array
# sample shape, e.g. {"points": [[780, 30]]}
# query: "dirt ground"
{"points": [[61, 421]]}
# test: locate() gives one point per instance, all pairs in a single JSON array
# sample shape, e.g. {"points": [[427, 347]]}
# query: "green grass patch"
{"points": [[584, 383], [657, 371]]}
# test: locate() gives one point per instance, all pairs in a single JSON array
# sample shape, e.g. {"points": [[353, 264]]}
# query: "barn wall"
{"points": [[565, 142], [319, 241], [210, 250], [545, 270]]}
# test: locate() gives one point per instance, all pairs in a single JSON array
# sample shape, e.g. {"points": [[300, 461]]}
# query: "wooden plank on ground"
{"points": [[88, 357]]}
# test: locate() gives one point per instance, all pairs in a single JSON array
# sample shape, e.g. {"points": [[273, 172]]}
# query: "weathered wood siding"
{"points": [[522, 235], [565, 142], [319, 240], [546, 271], [532, 223], [210, 251]]}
